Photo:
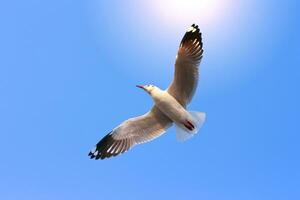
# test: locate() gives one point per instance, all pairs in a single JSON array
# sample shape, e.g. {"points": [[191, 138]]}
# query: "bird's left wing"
{"points": [[186, 66], [131, 132]]}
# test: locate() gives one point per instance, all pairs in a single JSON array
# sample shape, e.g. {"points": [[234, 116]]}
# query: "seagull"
{"points": [[169, 105]]}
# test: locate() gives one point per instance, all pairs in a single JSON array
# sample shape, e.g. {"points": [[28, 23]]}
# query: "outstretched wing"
{"points": [[186, 66], [131, 132]]}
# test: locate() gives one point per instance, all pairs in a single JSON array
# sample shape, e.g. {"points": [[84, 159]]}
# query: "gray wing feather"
{"points": [[131, 132], [186, 66]]}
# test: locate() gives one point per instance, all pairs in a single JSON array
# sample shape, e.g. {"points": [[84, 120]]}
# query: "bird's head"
{"points": [[148, 88]]}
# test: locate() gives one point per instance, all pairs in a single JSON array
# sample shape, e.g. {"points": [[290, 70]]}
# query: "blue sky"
{"points": [[67, 76]]}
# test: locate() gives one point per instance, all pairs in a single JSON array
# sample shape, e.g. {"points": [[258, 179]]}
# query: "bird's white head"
{"points": [[148, 88]]}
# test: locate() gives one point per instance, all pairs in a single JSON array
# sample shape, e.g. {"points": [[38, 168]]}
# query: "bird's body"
{"points": [[169, 105]]}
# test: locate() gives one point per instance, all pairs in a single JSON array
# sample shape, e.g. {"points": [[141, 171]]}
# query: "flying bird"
{"points": [[169, 105]]}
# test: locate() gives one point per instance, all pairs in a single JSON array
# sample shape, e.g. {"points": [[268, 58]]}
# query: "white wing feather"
{"points": [[131, 132], [186, 66]]}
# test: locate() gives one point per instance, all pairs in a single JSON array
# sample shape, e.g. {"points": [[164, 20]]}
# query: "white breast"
{"points": [[170, 106]]}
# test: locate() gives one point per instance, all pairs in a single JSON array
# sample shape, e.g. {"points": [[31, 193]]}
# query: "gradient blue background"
{"points": [[67, 76]]}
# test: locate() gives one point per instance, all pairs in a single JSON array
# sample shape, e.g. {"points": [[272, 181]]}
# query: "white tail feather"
{"points": [[184, 134]]}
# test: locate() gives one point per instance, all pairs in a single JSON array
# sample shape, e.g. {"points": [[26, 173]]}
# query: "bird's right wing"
{"points": [[186, 66], [131, 132]]}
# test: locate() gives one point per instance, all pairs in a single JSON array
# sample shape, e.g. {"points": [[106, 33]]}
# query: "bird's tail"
{"points": [[183, 134]]}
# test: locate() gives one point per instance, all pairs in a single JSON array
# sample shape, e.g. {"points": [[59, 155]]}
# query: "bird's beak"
{"points": [[140, 86]]}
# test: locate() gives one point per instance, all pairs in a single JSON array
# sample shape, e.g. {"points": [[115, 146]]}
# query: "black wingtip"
{"points": [[107, 146], [192, 33], [195, 26], [192, 27]]}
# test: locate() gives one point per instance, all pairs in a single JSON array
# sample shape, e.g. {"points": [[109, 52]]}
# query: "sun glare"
{"points": [[182, 11]]}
